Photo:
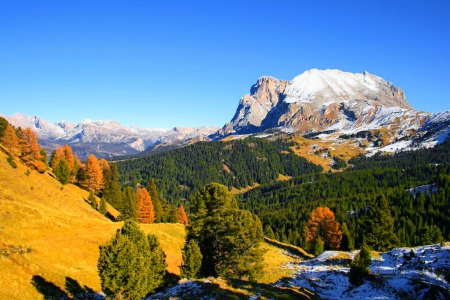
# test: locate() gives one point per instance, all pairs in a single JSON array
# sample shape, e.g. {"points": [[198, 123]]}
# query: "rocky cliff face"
{"points": [[254, 107], [318, 100]]}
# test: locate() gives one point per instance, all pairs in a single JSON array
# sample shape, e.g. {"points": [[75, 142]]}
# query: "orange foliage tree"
{"points": [[30, 150], [72, 160], [145, 208], [92, 179], [11, 141], [323, 224], [181, 215]]}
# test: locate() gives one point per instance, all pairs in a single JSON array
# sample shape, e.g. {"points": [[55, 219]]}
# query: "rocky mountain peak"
{"points": [[313, 100]]}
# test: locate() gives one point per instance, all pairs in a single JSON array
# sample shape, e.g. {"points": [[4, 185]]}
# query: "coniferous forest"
{"points": [[418, 215]]}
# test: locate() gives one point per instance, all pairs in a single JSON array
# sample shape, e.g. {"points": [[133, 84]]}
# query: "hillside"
{"points": [[49, 236], [49, 239], [238, 164]]}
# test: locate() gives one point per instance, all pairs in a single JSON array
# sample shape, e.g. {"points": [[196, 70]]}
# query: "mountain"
{"points": [[104, 138], [337, 104]]}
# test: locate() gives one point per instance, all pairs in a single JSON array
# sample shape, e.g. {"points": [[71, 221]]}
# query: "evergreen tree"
{"points": [[318, 246], [228, 237], [359, 268], [173, 215], [103, 210], [92, 201], [112, 193], [181, 216], [378, 225], [152, 190], [192, 260], [126, 264], [43, 154], [62, 171], [3, 124], [158, 263], [129, 204]]}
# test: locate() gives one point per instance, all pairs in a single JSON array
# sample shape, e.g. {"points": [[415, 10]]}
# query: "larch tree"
{"points": [[145, 209], [182, 217], [30, 150], [93, 175], [11, 141], [323, 224]]}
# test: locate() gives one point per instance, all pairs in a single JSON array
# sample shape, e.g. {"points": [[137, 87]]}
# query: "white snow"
{"points": [[396, 271]]}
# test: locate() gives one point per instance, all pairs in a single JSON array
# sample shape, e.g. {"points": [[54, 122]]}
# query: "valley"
{"points": [[278, 203]]}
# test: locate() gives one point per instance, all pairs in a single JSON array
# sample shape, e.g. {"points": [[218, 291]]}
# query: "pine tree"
{"points": [[359, 268], [228, 237], [62, 171], [92, 201], [172, 215], [318, 246], [129, 204], [130, 264], [181, 215], [3, 124], [323, 224], [145, 210], [103, 210], [30, 149], [378, 225], [112, 193], [152, 190], [192, 260]]}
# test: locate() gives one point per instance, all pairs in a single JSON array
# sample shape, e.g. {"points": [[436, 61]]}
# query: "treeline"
{"points": [[420, 216], [236, 164]]}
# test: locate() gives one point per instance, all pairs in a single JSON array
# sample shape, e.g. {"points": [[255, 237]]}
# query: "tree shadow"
{"points": [[48, 289], [76, 290]]}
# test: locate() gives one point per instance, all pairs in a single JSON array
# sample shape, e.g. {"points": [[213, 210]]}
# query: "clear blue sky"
{"points": [[187, 63]]}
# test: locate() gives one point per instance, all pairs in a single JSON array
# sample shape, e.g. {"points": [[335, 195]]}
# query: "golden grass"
{"points": [[314, 150], [236, 191], [50, 233], [282, 177], [171, 237], [50, 236]]}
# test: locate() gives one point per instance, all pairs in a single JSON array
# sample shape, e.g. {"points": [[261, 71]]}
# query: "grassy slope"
{"points": [[49, 235], [49, 238]]}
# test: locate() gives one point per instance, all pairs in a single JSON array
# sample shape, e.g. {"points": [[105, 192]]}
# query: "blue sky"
{"points": [[187, 63]]}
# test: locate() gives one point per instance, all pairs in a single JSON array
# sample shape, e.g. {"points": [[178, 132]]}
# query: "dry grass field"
{"points": [[49, 237], [320, 151]]}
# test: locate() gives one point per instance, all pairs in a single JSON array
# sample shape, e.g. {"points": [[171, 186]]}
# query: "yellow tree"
{"points": [[30, 150], [181, 215], [11, 141], [145, 208], [323, 224], [93, 176]]}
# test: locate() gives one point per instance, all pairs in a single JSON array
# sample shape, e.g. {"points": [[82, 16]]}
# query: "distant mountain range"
{"points": [[104, 138], [330, 101]]}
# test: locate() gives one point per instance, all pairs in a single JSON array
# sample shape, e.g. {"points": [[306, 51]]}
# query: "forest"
{"points": [[421, 216], [238, 164]]}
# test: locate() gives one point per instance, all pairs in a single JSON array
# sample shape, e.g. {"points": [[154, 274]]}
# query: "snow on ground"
{"points": [[399, 273]]}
